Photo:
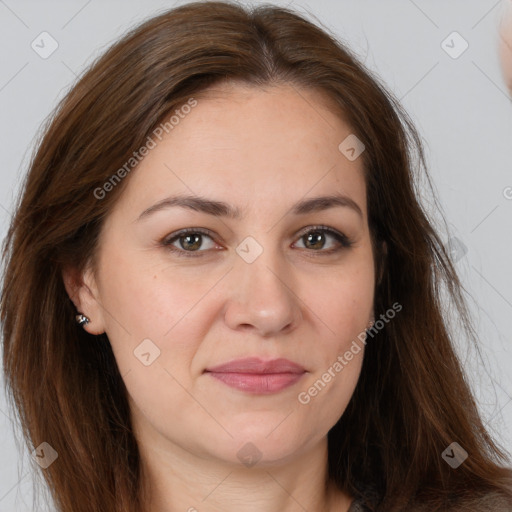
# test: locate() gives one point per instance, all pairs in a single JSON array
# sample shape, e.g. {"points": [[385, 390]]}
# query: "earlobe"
{"points": [[82, 291]]}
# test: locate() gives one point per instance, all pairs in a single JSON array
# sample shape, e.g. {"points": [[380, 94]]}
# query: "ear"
{"points": [[83, 292]]}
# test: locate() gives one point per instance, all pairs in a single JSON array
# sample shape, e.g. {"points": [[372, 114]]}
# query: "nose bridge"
{"points": [[261, 288]]}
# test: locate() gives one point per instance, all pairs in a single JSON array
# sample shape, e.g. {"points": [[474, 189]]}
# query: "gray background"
{"points": [[460, 106]]}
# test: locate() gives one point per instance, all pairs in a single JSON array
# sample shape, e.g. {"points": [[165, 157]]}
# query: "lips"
{"points": [[256, 376], [255, 365]]}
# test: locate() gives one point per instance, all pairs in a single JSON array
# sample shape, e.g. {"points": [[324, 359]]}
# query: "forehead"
{"points": [[242, 143]]}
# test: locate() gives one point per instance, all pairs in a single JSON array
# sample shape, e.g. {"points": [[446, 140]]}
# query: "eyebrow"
{"points": [[222, 209]]}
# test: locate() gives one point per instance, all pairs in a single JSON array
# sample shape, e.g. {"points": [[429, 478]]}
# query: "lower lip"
{"points": [[260, 383]]}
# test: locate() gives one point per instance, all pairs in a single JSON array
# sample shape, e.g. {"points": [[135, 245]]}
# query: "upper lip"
{"points": [[257, 365]]}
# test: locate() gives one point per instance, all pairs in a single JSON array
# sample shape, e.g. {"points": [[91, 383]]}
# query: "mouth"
{"points": [[253, 375]]}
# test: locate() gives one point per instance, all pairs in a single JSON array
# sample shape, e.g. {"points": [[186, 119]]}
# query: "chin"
{"points": [[252, 446]]}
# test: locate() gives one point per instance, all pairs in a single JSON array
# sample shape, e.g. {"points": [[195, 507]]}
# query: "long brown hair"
{"points": [[412, 400]]}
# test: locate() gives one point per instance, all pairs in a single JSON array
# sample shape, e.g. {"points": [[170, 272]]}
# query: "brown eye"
{"points": [[316, 239], [191, 241], [188, 241]]}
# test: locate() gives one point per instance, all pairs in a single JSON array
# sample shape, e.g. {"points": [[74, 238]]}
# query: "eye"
{"points": [[314, 238], [188, 242]]}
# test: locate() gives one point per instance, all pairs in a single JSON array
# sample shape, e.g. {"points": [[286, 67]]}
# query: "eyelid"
{"points": [[340, 237], [344, 241], [168, 240]]}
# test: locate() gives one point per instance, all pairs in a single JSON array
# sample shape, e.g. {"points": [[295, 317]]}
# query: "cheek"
{"points": [[344, 307], [143, 302], [155, 310], [325, 397], [149, 295], [343, 302]]}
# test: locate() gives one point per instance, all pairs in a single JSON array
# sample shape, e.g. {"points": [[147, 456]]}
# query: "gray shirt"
{"points": [[492, 502]]}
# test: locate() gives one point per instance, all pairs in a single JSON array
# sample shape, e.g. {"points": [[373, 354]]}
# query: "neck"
{"points": [[176, 480]]}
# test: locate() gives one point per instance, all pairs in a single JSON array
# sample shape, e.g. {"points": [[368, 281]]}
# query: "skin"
{"points": [[505, 45], [261, 150]]}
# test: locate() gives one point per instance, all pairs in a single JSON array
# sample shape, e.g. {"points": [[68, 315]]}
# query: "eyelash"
{"points": [[344, 241]]}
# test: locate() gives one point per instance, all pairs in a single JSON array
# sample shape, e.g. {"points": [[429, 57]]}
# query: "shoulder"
{"points": [[357, 507], [492, 502]]}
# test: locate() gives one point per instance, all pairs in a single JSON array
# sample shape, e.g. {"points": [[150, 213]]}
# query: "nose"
{"points": [[262, 298]]}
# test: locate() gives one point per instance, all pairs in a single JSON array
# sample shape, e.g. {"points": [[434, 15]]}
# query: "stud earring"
{"points": [[82, 320]]}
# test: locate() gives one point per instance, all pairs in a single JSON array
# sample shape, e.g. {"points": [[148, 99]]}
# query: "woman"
{"points": [[226, 203]]}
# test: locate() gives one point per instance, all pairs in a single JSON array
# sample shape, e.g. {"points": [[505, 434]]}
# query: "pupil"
{"points": [[317, 235], [194, 245]]}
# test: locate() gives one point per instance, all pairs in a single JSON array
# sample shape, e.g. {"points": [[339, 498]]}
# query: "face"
{"points": [[268, 284]]}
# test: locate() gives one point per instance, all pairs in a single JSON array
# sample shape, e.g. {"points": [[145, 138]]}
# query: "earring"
{"points": [[81, 320]]}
